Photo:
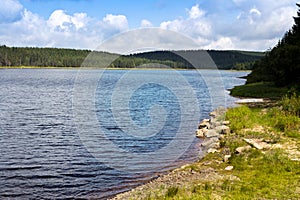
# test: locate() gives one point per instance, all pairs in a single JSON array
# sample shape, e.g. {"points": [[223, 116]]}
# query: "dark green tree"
{"points": [[281, 65]]}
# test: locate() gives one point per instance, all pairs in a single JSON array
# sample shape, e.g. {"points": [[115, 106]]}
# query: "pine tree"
{"points": [[282, 64]]}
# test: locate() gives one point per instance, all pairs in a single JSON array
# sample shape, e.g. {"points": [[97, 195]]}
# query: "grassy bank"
{"points": [[269, 173], [259, 90]]}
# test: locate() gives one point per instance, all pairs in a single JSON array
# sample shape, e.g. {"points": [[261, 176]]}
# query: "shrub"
{"points": [[291, 104]]}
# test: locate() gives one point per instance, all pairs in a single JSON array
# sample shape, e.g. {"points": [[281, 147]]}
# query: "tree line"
{"points": [[57, 57], [281, 65]]}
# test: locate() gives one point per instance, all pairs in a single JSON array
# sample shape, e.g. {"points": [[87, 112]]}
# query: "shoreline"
{"points": [[210, 132], [110, 68], [233, 157]]}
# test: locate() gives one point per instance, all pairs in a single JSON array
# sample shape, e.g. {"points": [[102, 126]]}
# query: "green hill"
{"points": [[189, 59]]}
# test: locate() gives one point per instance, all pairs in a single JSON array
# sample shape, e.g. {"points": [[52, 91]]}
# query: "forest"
{"points": [[281, 65], [57, 57]]}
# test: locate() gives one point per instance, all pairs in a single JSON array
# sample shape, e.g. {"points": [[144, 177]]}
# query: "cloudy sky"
{"points": [[84, 24]]}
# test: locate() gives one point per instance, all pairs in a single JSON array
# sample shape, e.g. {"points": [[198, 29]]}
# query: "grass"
{"points": [[259, 90], [172, 191], [256, 174], [291, 104]]}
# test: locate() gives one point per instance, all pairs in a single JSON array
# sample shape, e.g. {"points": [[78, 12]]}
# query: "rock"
{"points": [[214, 145], [205, 120], [200, 133], [240, 150], [229, 168], [213, 114], [218, 129], [214, 124], [225, 129], [251, 100], [218, 112], [209, 141], [204, 124], [222, 129], [225, 123], [221, 137], [211, 133], [226, 158], [258, 143], [212, 150]]}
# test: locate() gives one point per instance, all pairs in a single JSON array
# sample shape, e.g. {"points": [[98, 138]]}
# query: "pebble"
{"points": [[229, 168]]}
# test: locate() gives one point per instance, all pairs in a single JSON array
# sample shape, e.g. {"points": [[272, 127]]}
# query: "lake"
{"points": [[95, 133]]}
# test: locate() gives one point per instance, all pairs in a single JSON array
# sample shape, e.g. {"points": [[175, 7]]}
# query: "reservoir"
{"points": [[58, 143]]}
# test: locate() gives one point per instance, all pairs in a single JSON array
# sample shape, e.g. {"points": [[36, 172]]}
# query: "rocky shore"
{"points": [[211, 131], [227, 153]]}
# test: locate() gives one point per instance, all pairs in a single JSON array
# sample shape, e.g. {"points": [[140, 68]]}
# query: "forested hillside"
{"points": [[223, 59], [281, 65], [55, 57], [26, 56]]}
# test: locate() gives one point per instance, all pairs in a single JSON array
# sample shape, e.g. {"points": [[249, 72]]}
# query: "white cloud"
{"points": [[195, 12], [80, 20], [195, 25], [118, 22], [146, 23], [222, 43], [258, 26], [61, 30], [251, 25], [61, 21], [10, 11]]}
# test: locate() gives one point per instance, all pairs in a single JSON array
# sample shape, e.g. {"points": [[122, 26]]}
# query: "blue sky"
{"points": [[84, 24]]}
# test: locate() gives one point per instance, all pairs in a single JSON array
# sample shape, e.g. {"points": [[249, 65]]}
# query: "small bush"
{"points": [[291, 104]]}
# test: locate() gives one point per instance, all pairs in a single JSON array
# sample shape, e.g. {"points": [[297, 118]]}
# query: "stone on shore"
{"points": [[211, 133], [258, 143], [212, 150], [226, 158], [218, 112], [229, 168], [200, 132], [204, 124], [209, 142], [240, 150], [225, 123], [214, 145], [223, 129]]}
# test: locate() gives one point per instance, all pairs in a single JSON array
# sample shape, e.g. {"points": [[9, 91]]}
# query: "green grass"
{"points": [[172, 191], [240, 117], [259, 90], [268, 174], [262, 175]]}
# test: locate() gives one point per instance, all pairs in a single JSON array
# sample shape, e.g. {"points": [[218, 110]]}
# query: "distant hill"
{"points": [[189, 59]]}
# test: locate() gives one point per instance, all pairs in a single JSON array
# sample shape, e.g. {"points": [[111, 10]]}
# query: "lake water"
{"points": [[94, 133]]}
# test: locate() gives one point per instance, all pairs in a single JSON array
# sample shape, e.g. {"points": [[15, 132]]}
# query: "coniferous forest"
{"points": [[56, 57], [281, 65]]}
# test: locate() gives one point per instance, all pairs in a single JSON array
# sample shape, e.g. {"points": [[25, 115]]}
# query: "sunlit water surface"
{"points": [[41, 153]]}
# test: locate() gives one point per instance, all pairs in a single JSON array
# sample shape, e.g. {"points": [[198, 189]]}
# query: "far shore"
{"points": [[110, 68]]}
